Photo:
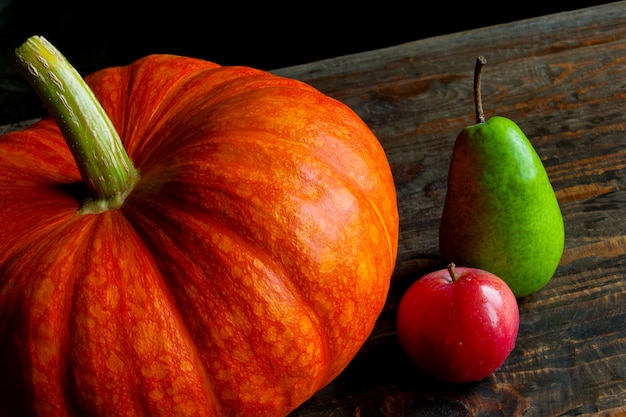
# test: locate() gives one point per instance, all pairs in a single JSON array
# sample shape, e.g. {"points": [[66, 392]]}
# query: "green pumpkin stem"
{"points": [[104, 165]]}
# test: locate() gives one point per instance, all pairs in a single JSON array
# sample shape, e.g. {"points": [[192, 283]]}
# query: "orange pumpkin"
{"points": [[241, 274]]}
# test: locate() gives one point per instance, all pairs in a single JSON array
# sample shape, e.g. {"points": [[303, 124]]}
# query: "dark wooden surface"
{"points": [[562, 78], [264, 35]]}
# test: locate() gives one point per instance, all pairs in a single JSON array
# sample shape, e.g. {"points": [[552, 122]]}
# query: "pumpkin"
{"points": [[228, 257]]}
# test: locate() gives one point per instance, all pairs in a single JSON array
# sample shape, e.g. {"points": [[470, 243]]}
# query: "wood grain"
{"points": [[562, 78]]}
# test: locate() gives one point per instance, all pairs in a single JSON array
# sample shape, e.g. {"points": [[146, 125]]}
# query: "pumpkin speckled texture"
{"points": [[241, 275]]}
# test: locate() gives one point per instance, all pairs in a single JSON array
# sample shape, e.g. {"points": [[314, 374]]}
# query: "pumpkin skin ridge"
{"points": [[133, 78], [169, 204], [183, 298], [156, 373], [140, 139], [190, 75], [50, 205], [85, 222], [230, 226], [327, 158], [350, 182], [269, 82], [241, 131], [39, 357], [53, 228], [353, 181], [175, 136]]}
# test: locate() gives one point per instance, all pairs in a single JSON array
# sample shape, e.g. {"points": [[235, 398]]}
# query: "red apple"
{"points": [[458, 324]]}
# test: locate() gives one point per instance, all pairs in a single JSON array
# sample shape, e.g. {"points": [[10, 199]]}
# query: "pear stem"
{"points": [[452, 271], [478, 102]]}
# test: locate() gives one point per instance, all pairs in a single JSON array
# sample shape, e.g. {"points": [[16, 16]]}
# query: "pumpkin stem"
{"points": [[104, 165]]}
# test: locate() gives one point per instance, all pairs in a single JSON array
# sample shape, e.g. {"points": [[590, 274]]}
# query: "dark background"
{"points": [[98, 34]]}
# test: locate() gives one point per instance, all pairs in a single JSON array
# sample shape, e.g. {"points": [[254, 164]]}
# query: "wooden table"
{"points": [[562, 78]]}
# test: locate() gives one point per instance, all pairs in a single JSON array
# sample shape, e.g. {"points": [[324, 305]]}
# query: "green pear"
{"points": [[500, 212]]}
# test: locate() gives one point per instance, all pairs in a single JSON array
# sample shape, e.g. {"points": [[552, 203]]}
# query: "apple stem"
{"points": [[452, 271], [478, 102]]}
